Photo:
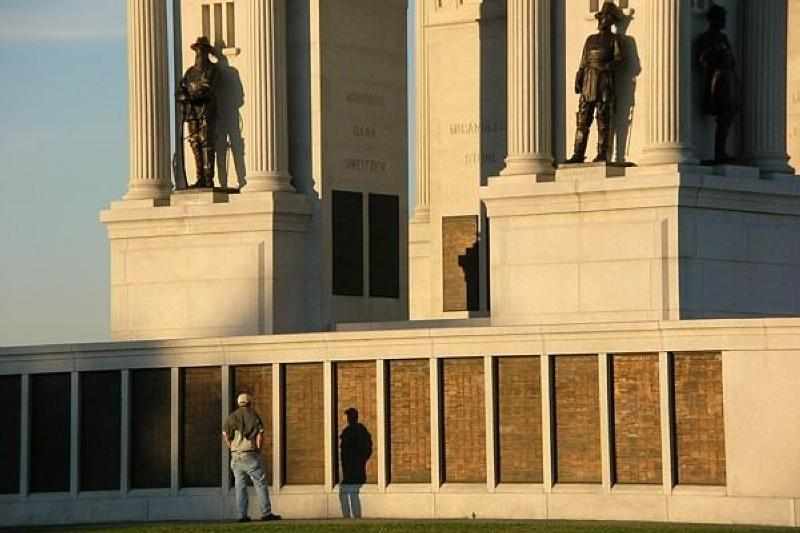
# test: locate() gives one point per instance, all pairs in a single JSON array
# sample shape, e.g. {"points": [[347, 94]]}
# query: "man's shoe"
{"points": [[244, 520], [270, 517]]}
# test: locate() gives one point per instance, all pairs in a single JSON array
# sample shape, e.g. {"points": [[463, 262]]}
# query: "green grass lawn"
{"points": [[448, 526]]}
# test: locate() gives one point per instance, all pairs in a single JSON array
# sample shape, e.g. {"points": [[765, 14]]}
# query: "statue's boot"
{"points": [[581, 138], [208, 167], [721, 137], [602, 143], [199, 165]]}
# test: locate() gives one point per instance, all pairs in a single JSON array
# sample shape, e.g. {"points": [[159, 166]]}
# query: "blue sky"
{"points": [[63, 158]]}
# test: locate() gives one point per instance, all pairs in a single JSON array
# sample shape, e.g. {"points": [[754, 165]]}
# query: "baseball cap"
{"points": [[244, 399]]}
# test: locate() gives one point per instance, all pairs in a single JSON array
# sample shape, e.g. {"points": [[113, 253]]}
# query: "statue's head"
{"points": [[717, 16], [202, 47], [608, 15]]}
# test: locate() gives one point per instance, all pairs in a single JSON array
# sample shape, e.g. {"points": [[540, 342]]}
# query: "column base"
{"points": [[527, 166], [148, 190], [269, 182], [771, 164], [668, 154]]}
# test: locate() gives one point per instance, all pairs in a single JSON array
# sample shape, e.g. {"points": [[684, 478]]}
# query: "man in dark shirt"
{"points": [[243, 433]]}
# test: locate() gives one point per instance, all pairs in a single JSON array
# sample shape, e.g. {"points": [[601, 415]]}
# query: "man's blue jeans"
{"points": [[246, 465]]}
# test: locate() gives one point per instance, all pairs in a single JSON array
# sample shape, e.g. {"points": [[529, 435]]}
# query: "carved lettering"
{"points": [[484, 158], [365, 131], [365, 165], [365, 99], [473, 128]]}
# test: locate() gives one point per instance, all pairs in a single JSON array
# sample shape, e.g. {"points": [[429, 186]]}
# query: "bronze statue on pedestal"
{"points": [[197, 103], [721, 86], [602, 54]]}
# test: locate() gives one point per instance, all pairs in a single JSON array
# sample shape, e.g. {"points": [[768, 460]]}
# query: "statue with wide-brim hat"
{"points": [[197, 102], [595, 83]]}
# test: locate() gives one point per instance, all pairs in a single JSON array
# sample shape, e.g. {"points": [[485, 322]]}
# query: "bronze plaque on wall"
{"points": [[464, 427], [699, 424], [637, 419], [100, 401], [577, 419], [384, 246], [303, 424], [519, 419], [50, 403], [257, 381], [10, 409], [150, 431], [348, 243], [356, 388], [409, 421], [460, 263], [201, 413]]}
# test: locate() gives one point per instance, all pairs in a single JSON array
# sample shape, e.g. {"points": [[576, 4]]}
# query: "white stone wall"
{"points": [[761, 418]]}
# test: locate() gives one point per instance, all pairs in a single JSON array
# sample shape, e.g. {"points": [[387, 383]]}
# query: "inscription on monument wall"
{"points": [[356, 387], [699, 426], [409, 421], [460, 263], [303, 454], [577, 418], [50, 432], [10, 420], [366, 99], [257, 380], [151, 431], [201, 398], [637, 419], [464, 428], [100, 398], [519, 419], [365, 165]]}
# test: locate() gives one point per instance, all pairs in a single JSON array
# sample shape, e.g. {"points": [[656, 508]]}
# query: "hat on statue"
{"points": [[609, 9], [203, 44]]}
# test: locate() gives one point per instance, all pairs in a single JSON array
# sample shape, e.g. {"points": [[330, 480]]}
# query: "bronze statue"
{"points": [[721, 86], [198, 110], [602, 54]]}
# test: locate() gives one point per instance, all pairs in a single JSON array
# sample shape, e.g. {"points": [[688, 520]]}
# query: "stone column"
{"points": [[422, 211], [669, 116], [764, 85], [266, 142], [148, 104], [529, 89]]}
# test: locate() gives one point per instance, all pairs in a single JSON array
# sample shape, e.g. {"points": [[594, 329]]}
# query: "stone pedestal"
{"points": [[208, 264], [662, 242]]}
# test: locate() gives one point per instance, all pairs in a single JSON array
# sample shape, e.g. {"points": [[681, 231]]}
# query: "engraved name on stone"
{"points": [[472, 128], [367, 132], [365, 165], [365, 99], [474, 158]]}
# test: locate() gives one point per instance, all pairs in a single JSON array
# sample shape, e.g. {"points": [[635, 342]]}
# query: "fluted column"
{"points": [[422, 210], [669, 115], [529, 88], [764, 90], [148, 107], [267, 143]]}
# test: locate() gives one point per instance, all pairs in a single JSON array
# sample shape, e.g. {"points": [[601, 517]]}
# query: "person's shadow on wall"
{"points": [[355, 446], [626, 93], [229, 141]]}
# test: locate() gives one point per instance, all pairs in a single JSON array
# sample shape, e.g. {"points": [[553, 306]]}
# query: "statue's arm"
{"points": [[581, 68], [619, 51]]}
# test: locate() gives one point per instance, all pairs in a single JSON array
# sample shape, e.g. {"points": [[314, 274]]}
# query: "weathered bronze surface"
{"points": [[196, 100], [721, 86], [602, 55]]}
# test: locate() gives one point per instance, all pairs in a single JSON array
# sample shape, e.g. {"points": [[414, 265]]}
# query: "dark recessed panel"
{"points": [[384, 246], [99, 430], [10, 407], [348, 243], [201, 427], [460, 263], [50, 432], [150, 432]]}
